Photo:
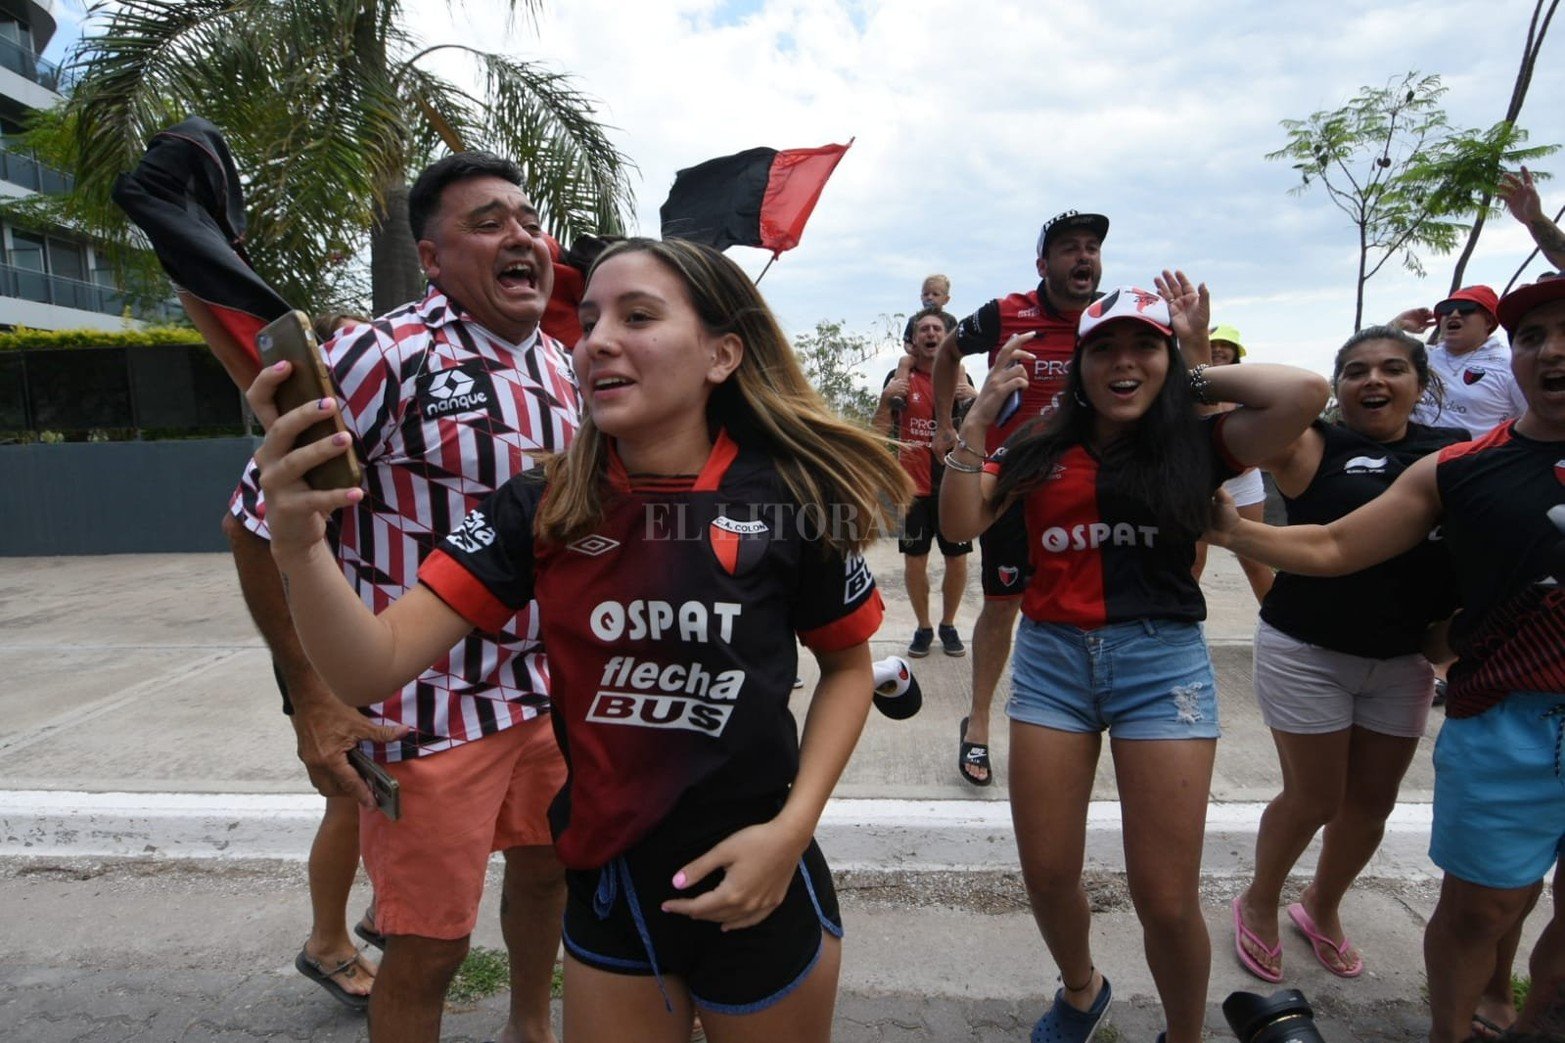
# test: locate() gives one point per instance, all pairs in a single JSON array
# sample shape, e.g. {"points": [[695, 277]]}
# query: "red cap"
{"points": [[1482, 296], [1524, 299]]}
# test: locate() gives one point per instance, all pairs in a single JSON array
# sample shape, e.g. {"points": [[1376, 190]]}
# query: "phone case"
{"points": [[291, 338], [387, 791]]}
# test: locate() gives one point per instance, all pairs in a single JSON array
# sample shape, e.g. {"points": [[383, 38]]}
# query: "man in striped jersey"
{"points": [[447, 398]]}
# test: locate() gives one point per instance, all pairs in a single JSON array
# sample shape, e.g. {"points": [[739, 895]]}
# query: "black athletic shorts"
{"points": [[921, 530], [1006, 565], [614, 922]]}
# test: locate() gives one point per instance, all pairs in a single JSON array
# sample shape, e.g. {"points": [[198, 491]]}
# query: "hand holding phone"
{"points": [[384, 787], [291, 339]]}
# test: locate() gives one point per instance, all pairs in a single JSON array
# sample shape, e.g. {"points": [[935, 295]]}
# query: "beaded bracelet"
{"points": [[959, 467], [1200, 387]]}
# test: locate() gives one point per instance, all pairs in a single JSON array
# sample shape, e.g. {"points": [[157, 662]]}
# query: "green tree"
{"points": [[1390, 160], [328, 105], [829, 356]]}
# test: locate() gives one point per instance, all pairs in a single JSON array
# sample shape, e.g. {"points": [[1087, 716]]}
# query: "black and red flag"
{"points": [[759, 197], [185, 195]]}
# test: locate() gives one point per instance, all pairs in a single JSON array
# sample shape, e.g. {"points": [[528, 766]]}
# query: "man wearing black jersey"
{"points": [[1069, 267], [1499, 809]]}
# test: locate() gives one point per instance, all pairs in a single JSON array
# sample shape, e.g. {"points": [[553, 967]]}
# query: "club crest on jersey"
{"points": [[1559, 470], [738, 545], [593, 545], [457, 391], [1473, 376], [1008, 575]]}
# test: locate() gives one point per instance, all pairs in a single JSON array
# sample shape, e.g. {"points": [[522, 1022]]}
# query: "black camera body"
{"points": [[1283, 1017]]}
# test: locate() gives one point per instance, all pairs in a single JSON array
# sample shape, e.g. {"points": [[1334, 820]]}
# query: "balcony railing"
{"points": [[44, 288], [22, 61], [21, 167]]}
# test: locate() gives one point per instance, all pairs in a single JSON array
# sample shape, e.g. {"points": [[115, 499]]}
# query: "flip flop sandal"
{"points": [[1243, 934], [1063, 1023], [973, 755], [1321, 944], [1484, 1028], [364, 929], [325, 977]]}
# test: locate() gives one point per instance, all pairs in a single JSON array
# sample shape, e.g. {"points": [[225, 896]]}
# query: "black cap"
{"points": [[1069, 221]]}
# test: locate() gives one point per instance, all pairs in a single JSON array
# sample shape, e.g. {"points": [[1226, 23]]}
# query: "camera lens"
{"points": [[1283, 1017]]}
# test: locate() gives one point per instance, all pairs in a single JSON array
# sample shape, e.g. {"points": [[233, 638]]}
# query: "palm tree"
{"points": [[327, 104]]}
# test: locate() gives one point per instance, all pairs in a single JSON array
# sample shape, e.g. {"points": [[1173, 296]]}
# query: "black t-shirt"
{"points": [[670, 633], [1384, 610], [1509, 556]]}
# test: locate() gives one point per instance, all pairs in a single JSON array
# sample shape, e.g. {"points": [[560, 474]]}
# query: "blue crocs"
{"points": [[1063, 1023]]}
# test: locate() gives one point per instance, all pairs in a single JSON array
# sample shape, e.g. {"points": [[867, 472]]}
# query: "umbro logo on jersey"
{"points": [[457, 390], [1473, 376], [1365, 465], [593, 545]]}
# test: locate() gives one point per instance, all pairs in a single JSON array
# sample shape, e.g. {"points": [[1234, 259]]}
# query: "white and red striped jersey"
{"points": [[443, 413]]}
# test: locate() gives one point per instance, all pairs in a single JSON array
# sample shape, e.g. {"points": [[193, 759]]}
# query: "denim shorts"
{"points": [[1145, 679], [1499, 814]]}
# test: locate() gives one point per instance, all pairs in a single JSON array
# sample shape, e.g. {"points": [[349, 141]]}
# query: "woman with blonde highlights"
{"points": [[710, 510]]}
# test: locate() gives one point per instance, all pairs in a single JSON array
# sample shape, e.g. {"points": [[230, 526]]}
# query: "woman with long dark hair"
{"points": [[1117, 486], [710, 510], [1339, 671]]}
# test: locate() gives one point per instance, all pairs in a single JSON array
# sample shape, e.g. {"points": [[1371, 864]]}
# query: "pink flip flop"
{"points": [[1243, 934], [1319, 942]]}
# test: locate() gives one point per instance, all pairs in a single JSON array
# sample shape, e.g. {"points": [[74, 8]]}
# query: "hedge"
{"points": [[151, 336]]}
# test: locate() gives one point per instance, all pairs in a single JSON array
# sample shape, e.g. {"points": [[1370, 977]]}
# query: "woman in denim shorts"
{"points": [[1116, 487]]}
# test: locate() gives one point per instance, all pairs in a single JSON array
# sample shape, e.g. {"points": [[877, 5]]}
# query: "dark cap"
{"points": [[1069, 221]]}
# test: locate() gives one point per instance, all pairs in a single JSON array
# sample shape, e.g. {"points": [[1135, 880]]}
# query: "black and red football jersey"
{"points": [[1508, 554], [670, 633], [991, 326], [1098, 555]]}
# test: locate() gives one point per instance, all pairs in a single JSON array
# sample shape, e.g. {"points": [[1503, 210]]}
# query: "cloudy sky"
{"points": [[976, 120]]}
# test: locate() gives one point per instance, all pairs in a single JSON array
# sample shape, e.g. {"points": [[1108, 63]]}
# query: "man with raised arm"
{"points": [[1069, 268]]}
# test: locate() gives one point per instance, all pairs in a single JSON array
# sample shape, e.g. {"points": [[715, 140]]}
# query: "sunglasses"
{"points": [[1462, 308]]}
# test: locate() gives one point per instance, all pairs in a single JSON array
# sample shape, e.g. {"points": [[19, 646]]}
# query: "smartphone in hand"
{"points": [[1008, 408], [387, 792], [290, 338]]}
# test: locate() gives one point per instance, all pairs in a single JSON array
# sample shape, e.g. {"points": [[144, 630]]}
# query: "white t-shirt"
{"points": [[1479, 389]]}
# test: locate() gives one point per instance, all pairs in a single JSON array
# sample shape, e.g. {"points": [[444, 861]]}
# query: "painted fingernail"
{"points": [[679, 880], [339, 439], [325, 403], [278, 367], [355, 495]]}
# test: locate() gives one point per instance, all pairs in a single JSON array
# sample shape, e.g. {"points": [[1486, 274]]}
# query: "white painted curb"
{"points": [[855, 834]]}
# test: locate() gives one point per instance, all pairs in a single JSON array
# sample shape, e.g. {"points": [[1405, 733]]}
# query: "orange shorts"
{"points": [[458, 807]]}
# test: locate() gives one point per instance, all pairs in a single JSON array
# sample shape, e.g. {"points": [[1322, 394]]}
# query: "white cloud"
{"points": [[977, 120]]}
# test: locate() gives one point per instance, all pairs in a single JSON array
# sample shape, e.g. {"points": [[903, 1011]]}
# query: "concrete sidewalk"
{"points": [[139, 714]]}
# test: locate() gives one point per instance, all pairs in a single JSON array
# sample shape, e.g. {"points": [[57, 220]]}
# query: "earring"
{"points": [[1081, 401]]}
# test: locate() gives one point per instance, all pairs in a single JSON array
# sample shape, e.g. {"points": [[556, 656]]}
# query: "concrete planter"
{"points": [[118, 497]]}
